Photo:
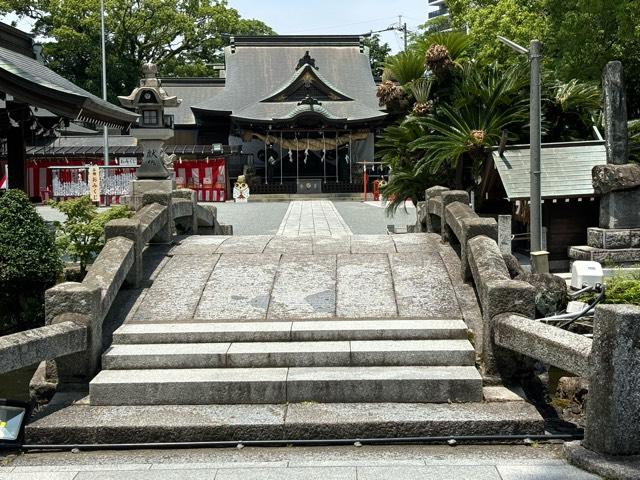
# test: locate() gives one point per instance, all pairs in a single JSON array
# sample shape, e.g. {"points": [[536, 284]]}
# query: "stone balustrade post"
{"points": [[448, 197], [129, 228], [613, 409], [81, 304], [165, 235], [189, 195], [433, 221], [504, 234]]}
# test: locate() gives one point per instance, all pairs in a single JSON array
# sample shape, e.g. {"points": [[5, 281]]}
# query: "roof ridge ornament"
{"points": [[307, 60], [309, 100]]}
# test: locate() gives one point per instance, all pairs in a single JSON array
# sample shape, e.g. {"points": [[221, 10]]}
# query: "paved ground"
{"points": [[317, 217], [264, 277], [308, 463], [265, 218]]}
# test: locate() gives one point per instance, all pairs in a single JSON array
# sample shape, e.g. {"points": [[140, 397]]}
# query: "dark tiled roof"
{"points": [[192, 91], [31, 82], [258, 66]]}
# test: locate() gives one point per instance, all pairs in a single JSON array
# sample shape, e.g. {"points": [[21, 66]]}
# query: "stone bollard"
{"points": [[613, 409], [448, 197], [75, 302], [129, 228]]}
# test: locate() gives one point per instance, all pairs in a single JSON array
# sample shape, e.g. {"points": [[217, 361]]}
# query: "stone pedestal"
{"points": [[620, 209], [137, 189]]}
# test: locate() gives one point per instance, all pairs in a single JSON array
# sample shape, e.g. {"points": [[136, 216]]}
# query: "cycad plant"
{"points": [[485, 103], [569, 109], [405, 66]]}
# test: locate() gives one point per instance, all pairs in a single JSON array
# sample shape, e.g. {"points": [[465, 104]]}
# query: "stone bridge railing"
{"points": [[76, 311], [610, 361]]}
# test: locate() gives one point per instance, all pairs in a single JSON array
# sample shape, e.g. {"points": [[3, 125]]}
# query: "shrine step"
{"points": [[324, 330], [280, 385], [290, 354]]}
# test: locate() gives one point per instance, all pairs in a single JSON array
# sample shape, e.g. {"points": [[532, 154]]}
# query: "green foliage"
{"points": [[184, 37], [405, 67], [378, 52], [29, 263], [81, 235], [623, 288], [578, 36], [484, 103], [457, 43]]}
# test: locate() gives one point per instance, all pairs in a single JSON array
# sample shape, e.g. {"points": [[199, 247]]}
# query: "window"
{"points": [[150, 117]]}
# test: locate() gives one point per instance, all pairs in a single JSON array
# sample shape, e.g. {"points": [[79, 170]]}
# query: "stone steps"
{"points": [[325, 330], [83, 423], [290, 354], [406, 384]]}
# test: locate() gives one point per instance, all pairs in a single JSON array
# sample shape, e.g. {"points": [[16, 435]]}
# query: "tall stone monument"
{"points": [[149, 99], [617, 238]]}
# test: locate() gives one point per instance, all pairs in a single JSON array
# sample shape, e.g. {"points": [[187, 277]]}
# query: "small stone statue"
{"points": [[241, 190]]}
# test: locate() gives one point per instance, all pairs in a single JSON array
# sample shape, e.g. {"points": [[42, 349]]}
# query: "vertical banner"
{"points": [[94, 183]]}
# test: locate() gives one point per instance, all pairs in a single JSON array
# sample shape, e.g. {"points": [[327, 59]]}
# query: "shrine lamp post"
{"points": [[535, 198]]}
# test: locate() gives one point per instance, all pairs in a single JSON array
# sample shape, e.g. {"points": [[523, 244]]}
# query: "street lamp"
{"points": [[105, 130], [535, 199]]}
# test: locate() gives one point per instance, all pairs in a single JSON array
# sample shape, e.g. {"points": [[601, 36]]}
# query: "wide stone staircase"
{"points": [[269, 337], [278, 362]]}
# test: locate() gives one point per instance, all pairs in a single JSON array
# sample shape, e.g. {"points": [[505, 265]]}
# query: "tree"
{"points": [[378, 52], [183, 37], [578, 36], [81, 235], [29, 263]]}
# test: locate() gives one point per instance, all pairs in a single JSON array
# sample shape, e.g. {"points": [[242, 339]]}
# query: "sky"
{"points": [[331, 17]]}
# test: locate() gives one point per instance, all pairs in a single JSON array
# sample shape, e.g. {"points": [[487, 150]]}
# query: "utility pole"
{"points": [[535, 141], [105, 130], [403, 28]]}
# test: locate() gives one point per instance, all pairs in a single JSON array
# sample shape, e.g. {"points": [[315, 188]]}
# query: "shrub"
{"points": [[29, 263], [81, 235]]}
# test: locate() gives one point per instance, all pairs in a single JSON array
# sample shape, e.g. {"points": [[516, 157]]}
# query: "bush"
{"points": [[81, 235], [29, 263]]}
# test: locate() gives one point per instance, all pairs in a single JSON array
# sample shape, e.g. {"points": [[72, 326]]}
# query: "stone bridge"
{"points": [[217, 337]]}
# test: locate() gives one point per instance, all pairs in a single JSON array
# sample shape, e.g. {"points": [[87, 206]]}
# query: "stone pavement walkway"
{"points": [[489, 462], [316, 217]]}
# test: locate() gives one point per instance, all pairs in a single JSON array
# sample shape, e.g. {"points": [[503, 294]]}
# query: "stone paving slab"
{"points": [[289, 354], [246, 244], [416, 243], [372, 244], [170, 298], [316, 217], [475, 472], [198, 245], [290, 245], [327, 473], [305, 287], [365, 287], [323, 245], [422, 286], [239, 288]]}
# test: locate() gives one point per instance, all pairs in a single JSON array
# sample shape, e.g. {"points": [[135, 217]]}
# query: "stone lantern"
{"points": [[149, 100]]}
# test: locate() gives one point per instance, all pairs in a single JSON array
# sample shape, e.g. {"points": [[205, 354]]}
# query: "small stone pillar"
{"points": [[78, 303], [433, 219], [613, 409], [504, 234], [618, 182], [149, 99]]}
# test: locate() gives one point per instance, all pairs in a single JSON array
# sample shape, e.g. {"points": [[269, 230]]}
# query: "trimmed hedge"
{"points": [[29, 263]]}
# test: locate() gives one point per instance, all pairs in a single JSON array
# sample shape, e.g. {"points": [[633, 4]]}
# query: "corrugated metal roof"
{"points": [[192, 91], [566, 169]]}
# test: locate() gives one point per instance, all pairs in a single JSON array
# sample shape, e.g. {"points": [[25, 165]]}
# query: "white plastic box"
{"points": [[585, 273]]}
